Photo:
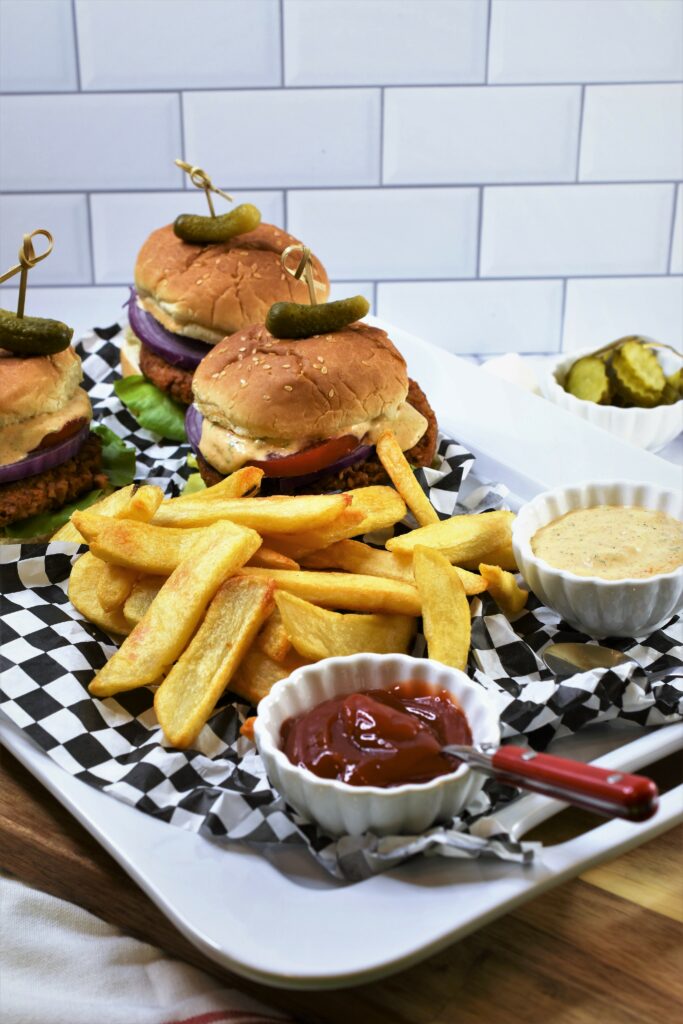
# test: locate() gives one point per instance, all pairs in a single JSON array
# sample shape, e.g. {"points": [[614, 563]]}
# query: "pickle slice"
{"points": [[588, 379], [192, 227], [638, 375], [295, 320], [33, 335]]}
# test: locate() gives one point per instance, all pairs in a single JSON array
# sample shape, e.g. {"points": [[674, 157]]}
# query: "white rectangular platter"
{"points": [[282, 921]]}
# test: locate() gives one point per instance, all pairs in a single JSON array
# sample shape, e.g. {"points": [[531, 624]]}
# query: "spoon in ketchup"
{"points": [[604, 791]]}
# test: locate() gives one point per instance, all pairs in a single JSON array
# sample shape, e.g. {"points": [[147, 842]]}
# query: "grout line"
{"points": [[563, 309], [579, 141], [488, 42], [282, 42], [480, 224], [88, 208], [181, 113], [381, 136], [426, 280], [77, 51], [323, 87], [674, 211], [447, 186]]}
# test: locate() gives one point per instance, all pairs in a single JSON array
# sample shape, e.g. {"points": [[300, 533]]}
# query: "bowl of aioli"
{"points": [[341, 689], [608, 556]]}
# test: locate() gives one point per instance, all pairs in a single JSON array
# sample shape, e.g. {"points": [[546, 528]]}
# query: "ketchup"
{"points": [[378, 737]]}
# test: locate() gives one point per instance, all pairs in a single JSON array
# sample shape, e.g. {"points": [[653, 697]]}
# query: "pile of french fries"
{"points": [[226, 589]]}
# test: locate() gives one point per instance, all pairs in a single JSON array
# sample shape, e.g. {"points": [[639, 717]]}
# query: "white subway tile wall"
{"points": [[496, 175]]}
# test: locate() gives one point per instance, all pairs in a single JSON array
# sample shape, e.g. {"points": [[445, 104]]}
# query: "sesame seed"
{"points": [[286, 366], [324, 369], [243, 383], [243, 348], [266, 366], [328, 337], [266, 398], [321, 359], [330, 393], [288, 387]]}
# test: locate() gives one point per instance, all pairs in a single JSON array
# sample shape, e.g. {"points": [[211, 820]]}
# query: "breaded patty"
{"points": [[173, 380], [48, 491]]}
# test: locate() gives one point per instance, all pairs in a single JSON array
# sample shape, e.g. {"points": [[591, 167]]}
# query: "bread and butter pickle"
{"points": [[297, 320], [200, 230], [33, 335], [626, 373]]}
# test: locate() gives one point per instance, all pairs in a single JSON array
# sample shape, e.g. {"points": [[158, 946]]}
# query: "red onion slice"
{"points": [[185, 353], [193, 427], [46, 458]]}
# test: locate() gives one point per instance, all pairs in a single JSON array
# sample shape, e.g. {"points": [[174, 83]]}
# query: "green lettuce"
{"points": [[118, 463], [153, 409]]}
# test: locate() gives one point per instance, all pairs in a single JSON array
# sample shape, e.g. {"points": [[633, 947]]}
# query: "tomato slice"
{"points": [[309, 460]]}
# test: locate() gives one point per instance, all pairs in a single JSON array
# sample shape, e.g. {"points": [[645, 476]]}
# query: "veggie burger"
{"points": [[48, 454], [306, 411], [189, 296]]}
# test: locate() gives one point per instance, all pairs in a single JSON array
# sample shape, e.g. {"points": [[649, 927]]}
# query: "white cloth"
{"points": [[61, 965]]}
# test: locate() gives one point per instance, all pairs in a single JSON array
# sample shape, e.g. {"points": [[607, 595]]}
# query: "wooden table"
{"points": [[606, 947]]}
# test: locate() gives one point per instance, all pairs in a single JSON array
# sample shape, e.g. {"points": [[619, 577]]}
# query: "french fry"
{"points": [[504, 589], [269, 558], [278, 514], [445, 610], [318, 633], [242, 482], [142, 504], [83, 595], [143, 546], [353, 556], [394, 461], [296, 545], [257, 674], [171, 619], [189, 693], [460, 538], [273, 639], [111, 505], [381, 507], [143, 592], [114, 585], [343, 590], [503, 555]]}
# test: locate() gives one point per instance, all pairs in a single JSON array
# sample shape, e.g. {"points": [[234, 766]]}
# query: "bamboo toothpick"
{"points": [[27, 260], [304, 268], [200, 179]]}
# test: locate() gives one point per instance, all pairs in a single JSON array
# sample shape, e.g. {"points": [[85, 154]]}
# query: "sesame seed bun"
{"points": [[307, 389], [210, 291]]}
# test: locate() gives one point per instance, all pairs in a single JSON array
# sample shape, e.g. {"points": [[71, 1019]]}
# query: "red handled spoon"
{"points": [[604, 791]]}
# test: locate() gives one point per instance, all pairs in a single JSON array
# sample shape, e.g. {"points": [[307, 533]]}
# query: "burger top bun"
{"points": [[266, 387], [33, 385], [210, 291]]}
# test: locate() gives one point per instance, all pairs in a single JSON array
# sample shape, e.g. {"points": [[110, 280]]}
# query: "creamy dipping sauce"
{"points": [[613, 542]]}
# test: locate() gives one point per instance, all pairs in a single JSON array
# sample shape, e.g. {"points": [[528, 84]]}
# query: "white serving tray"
{"points": [[283, 921]]}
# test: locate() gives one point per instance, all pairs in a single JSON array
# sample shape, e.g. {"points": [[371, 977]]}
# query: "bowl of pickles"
{"points": [[632, 387]]}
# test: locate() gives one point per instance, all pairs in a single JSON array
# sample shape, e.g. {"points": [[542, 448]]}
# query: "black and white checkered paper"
{"points": [[219, 788]]}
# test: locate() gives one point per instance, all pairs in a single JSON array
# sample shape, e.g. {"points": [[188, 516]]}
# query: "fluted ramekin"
{"points": [[341, 809], [645, 428], [626, 607]]}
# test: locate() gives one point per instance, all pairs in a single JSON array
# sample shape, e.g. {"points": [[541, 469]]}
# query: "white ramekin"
{"points": [[599, 607], [341, 809], [645, 428]]}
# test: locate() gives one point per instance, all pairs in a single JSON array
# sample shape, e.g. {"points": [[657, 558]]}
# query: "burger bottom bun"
{"points": [[130, 354]]}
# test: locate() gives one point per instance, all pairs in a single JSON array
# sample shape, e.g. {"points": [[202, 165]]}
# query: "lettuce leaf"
{"points": [[48, 523], [118, 462], [153, 409]]}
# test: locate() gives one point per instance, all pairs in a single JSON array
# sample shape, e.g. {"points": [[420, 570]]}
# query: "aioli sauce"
{"points": [[378, 737], [613, 542]]}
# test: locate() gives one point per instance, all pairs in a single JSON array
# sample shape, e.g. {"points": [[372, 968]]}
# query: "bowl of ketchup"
{"points": [[354, 743]]}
